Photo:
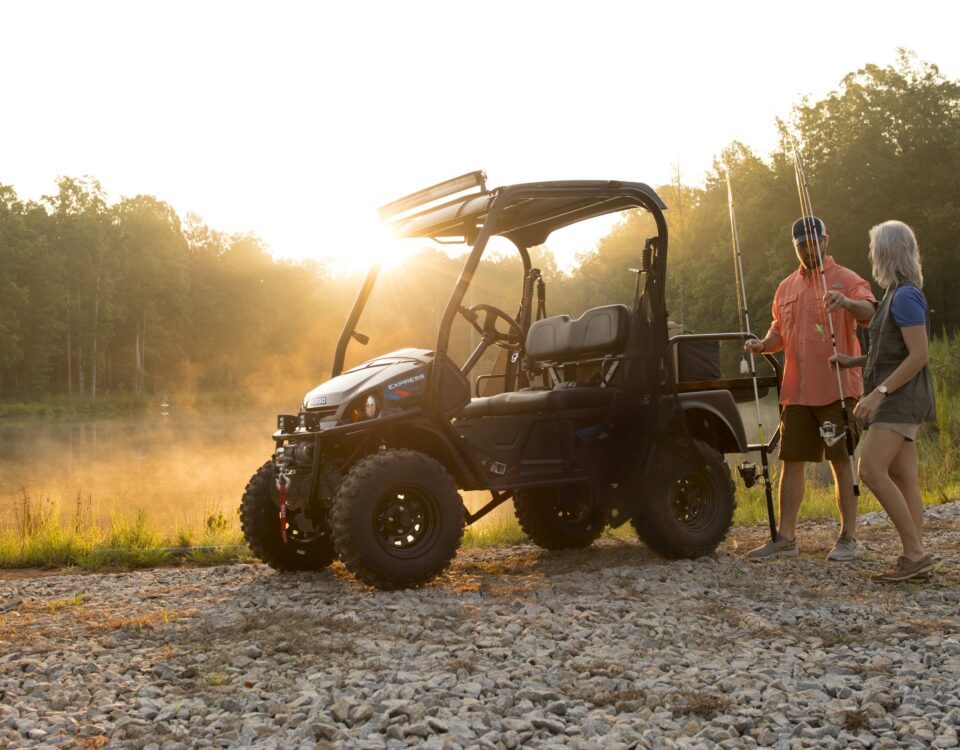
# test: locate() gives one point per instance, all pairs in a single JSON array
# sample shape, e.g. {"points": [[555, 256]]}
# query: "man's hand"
{"points": [[835, 301], [753, 346], [860, 309], [846, 361]]}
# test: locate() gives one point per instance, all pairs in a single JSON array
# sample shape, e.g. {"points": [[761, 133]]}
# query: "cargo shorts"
{"points": [[800, 438]]}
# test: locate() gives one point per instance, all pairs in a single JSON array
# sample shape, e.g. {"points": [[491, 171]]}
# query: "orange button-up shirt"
{"points": [[800, 320]]}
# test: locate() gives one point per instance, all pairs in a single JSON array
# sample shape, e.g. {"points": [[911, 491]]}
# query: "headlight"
{"points": [[364, 408]]}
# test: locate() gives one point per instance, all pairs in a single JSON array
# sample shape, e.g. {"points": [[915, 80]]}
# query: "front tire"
{"points": [[564, 517], [260, 521], [397, 519], [693, 516]]}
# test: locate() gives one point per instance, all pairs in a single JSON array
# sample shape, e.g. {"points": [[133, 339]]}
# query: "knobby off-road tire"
{"points": [[397, 519], [260, 521], [691, 518], [564, 517]]}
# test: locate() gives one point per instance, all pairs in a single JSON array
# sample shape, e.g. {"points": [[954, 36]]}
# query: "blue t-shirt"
{"points": [[908, 307]]}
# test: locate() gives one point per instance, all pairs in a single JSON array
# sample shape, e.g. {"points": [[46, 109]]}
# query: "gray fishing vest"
{"points": [[913, 402]]}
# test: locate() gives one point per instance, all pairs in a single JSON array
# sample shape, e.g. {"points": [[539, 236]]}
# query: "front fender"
{"points": [[712, 416]]}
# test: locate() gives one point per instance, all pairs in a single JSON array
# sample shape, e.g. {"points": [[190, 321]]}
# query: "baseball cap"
{"points": [[808, 228]]}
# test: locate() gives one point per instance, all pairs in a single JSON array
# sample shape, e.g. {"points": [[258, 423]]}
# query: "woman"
{"points": [[899, 392]]}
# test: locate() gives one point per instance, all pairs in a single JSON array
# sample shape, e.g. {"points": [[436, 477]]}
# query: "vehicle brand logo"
{"points": [[316, 401], [407, 381]]}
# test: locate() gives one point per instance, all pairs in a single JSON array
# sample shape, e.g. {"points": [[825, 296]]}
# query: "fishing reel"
{"points": [[750, 474], [828, 431]]}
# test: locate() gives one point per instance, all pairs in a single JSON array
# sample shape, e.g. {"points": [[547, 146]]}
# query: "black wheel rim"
{"points": [[405, 521], [572, 506], [298, 536], [693, 501]]}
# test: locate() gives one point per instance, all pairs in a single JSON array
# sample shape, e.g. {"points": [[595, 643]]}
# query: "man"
{"points": [[809, 394]]}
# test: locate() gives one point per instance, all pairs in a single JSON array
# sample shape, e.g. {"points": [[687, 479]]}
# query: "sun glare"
{"points": [[358, 249]]}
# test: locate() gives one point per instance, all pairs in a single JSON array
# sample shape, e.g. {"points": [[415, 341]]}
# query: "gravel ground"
{"points": [[608, 647]]}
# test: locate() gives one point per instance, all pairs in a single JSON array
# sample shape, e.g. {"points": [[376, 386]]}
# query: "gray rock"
{"points": [[340, 710], [612, 648]]}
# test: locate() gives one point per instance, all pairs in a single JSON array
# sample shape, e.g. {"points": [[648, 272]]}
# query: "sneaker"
{"points": [[846, 549], [905, 570], [780, 548]]}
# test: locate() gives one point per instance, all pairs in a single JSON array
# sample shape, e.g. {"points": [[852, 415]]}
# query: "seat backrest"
{"points": [[598, 332]]}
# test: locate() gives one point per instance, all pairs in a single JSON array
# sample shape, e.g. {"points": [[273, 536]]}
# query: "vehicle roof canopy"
{"points": [[529, 211]]}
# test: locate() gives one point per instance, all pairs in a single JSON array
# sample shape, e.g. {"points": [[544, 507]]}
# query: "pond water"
{"points": [[178, 468]]}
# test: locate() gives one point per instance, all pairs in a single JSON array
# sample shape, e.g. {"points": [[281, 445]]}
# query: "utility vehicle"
{"points": [[592, 421]]}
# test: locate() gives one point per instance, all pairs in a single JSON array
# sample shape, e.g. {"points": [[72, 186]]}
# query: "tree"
{"points": [[153, 277], [84, 234], [887, 145]]}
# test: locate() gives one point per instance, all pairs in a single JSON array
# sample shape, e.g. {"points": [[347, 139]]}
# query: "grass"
{"points": [[43, 537], [499, 533]]}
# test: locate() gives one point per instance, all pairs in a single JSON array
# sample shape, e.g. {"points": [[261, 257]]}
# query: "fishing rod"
{"points": [[827, 430], [744, 316]]}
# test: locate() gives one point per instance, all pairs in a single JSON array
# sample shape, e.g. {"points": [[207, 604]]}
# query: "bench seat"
{"points": [[536, 401]]}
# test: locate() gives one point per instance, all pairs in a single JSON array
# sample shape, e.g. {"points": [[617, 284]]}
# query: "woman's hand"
{"points": [[867, 406]]}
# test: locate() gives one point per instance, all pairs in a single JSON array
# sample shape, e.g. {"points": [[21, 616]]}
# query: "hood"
{"points": [[372, 374]]}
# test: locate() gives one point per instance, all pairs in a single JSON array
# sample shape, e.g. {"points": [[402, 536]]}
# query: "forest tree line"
{"points": [[99, 298]]}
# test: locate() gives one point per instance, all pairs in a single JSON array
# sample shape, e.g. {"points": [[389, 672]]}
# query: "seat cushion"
{"points": [[600, 331], [533, 402]]}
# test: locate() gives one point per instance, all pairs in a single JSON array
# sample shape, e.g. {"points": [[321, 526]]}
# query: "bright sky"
{"points": [[296, 120]]}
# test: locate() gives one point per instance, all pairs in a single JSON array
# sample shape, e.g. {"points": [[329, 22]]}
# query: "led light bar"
{"points": [[433, 193]]}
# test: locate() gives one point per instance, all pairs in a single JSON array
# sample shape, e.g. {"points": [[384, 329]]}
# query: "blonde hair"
{"points": [[894, 255]]}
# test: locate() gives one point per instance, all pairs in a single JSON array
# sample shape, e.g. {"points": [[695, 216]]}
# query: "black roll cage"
{"points": [[511, 212]]}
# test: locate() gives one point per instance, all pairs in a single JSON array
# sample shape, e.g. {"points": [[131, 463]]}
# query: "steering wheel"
{"points": [[511, 339]]}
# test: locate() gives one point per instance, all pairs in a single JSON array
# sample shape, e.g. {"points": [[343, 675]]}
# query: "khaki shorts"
{"points": [[909, 431], [800, 438]]}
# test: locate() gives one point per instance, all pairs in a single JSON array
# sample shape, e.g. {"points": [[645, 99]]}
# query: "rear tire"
{"points": [[260, 521], [397, 519], [564, 517], [693, 516]]}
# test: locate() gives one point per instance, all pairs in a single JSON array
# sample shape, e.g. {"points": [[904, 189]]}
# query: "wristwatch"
{"points": [[882, 389]]}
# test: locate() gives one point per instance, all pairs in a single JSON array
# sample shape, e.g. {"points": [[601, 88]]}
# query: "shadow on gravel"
{"points": [[530, 560]]}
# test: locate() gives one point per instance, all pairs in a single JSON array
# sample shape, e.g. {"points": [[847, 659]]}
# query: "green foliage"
{"points": [[61, 407], [945, 361], [885, 145], [217, 523], [127, 298]]}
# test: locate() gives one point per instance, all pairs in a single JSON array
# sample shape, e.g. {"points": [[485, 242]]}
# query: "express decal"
{"points": [[405, 388]]}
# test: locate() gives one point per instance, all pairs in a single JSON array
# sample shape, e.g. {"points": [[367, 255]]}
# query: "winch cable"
{"points": [[810, 234], [744, 316]]}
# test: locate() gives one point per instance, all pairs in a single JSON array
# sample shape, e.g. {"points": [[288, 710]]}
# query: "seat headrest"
{"points": [[600, 331]]}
